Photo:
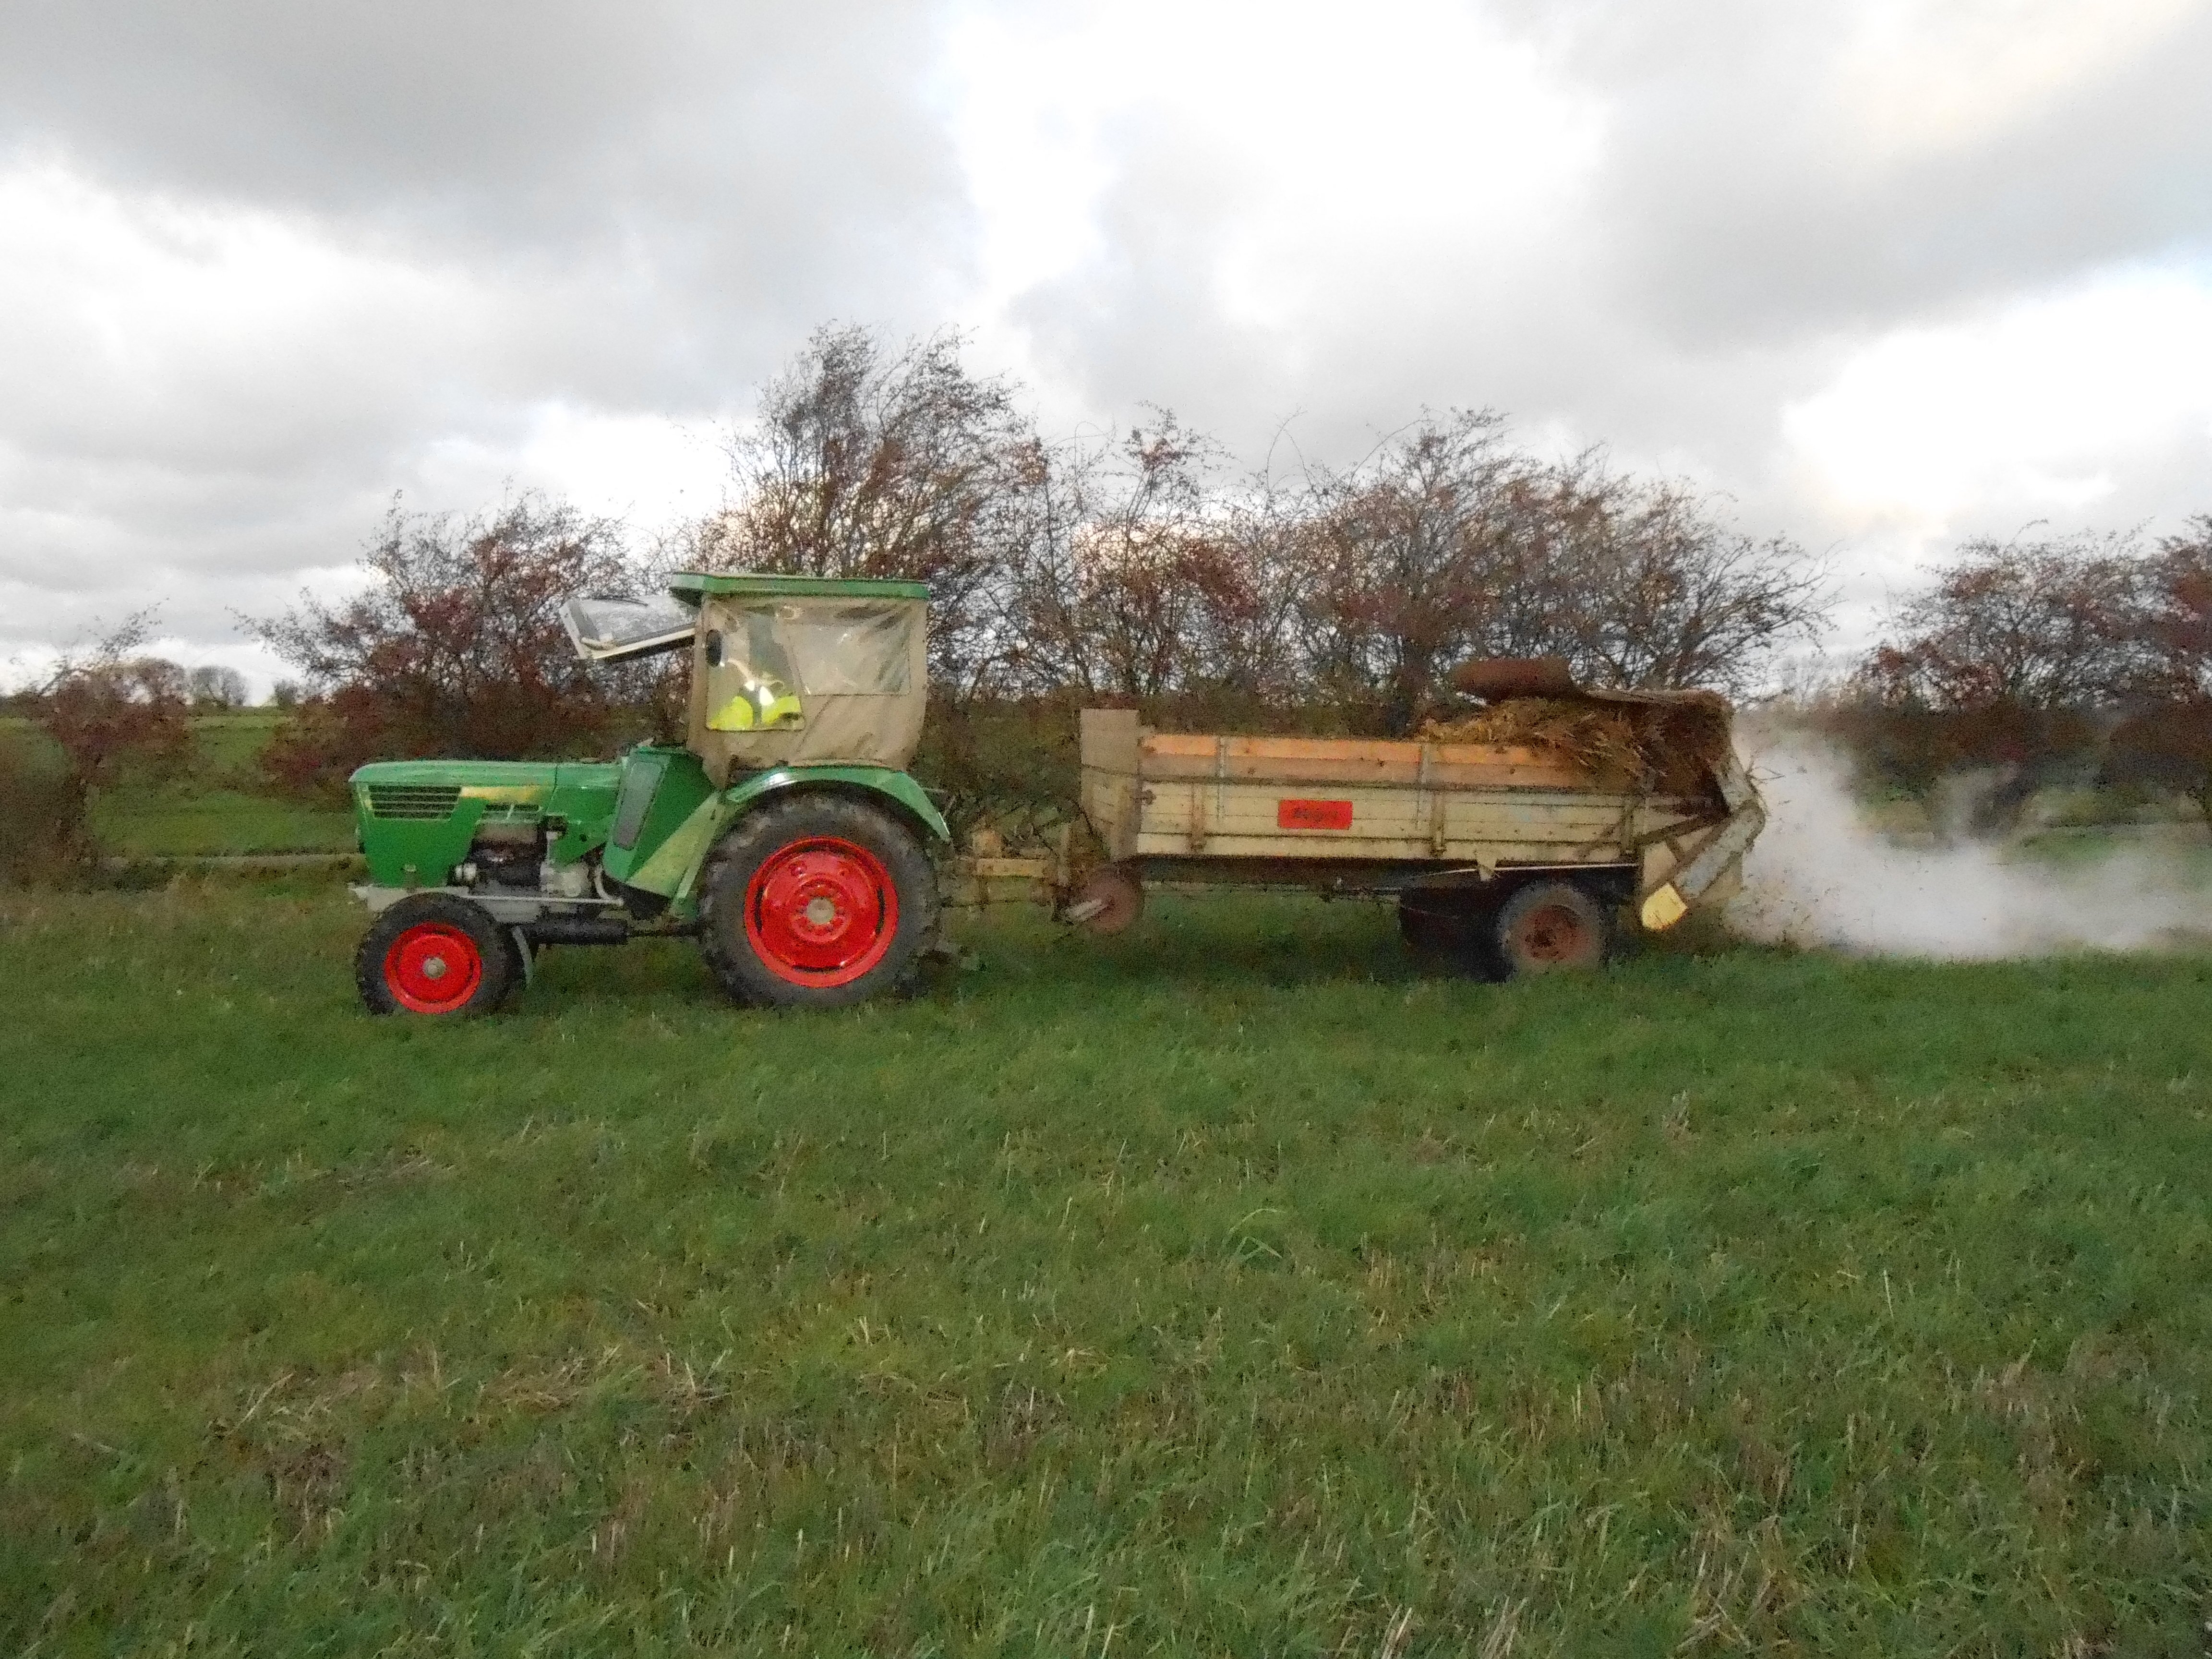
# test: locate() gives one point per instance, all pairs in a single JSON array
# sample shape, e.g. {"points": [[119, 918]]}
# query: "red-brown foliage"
{"points": [[1448, 544], [2010, 659], [456, 647], [2048, 625], [2165, 742], [111, 711], [2175, 608]]}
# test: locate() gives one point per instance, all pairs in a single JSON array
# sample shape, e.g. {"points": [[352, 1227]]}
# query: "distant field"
{"points": [[1233, 1287], [216, 804]]}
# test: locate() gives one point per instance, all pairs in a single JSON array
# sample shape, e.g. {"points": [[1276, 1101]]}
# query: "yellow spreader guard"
{"points": [[1664, 908]]}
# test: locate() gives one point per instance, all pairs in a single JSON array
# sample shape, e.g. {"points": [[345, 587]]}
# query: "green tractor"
{"points": [[786, 834]]}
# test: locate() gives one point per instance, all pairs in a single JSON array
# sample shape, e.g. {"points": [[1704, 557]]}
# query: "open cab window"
{"points": [[766, 659], [617, 630]]}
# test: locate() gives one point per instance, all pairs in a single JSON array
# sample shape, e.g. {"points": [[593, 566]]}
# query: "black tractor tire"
{"points": [[435, 955], [1550, 927], [816, 901]]}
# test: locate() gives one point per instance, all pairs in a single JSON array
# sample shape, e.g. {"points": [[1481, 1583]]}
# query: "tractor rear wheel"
{"points": [[1552, 927], [816, 901], [431, 953]]}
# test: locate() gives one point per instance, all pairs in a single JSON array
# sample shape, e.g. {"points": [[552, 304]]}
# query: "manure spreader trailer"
{"points": [[786, 836]]}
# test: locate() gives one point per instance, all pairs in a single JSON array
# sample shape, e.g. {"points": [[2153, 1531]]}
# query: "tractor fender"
{"points": [[895, 789], [688, 847], [901, 792]]}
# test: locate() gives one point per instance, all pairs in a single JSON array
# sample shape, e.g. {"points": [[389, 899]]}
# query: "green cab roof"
{"points": [[692, 586]]}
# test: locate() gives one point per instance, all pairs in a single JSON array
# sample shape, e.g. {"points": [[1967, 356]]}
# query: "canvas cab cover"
{"points": [[800, 670]]}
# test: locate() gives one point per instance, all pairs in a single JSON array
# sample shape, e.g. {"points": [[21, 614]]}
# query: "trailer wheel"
{"points": [[431, 953], [1549, 927], [816, 901]]}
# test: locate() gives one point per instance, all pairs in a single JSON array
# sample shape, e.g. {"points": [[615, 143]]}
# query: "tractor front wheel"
{"points": [[431, 953], [816, 901]]}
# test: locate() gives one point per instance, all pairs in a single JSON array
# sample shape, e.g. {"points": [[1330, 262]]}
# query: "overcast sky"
{"points": [[1888, 272]]}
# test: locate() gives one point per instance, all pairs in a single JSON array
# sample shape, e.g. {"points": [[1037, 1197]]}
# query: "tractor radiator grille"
{"points": [[413, 801]]}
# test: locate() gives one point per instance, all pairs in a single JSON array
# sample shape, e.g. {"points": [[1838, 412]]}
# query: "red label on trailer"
{"points": [[1313, 815]]}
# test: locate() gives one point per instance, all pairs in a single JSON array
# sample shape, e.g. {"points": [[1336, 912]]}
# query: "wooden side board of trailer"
{"points": [[1169, 755], [1164, 796], [1381, 812]]}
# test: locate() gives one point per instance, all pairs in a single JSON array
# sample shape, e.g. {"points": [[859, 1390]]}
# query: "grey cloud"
{"points": [[515, 117], [634, 208], [718, 176], [1737, 242], [644, 208], [1741, 204]]}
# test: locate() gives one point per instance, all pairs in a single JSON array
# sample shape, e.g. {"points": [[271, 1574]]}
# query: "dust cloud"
{"points": [[1821, 875]]}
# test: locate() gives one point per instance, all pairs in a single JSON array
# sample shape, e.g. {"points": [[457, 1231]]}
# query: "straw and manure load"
{"points": [[1655, 742]]}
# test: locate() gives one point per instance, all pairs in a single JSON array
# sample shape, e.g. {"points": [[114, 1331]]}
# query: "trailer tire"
{"points": [[1550, 927], [818, 900], [436, 955]]}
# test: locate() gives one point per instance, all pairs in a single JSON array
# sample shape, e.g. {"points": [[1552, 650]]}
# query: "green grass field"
{"points": [[1236, 1286]]}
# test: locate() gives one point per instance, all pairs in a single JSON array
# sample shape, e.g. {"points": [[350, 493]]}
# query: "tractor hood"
{"points": [[416, 819]]}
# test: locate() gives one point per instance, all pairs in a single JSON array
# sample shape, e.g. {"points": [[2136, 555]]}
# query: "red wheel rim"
{"points": [[433, 967], [821, 912], [1553, 933]]}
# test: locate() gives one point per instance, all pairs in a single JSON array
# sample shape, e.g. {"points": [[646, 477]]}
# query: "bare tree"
{"points": [[2173, 606], [213, 686], [2166, 740], [1128, 570], [1251, 639], [1448, 543], [1642, 584], [1400, 564], [1040, 640], [110, 707], [2000, 671], [871, 461], [1144, 589]]}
